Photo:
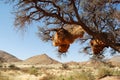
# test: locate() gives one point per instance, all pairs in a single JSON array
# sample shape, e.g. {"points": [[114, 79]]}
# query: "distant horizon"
{"points": [[118, 55], [35, 55]]}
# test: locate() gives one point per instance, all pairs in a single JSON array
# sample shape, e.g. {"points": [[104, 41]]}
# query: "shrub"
{"points": [[103, 72], [12, 66], [1, 66], [79, 67], [77, 76], [110, 64], [33, 71], [65, 66], [115, 72], [49, 77], [74, 76], [84, 76]]}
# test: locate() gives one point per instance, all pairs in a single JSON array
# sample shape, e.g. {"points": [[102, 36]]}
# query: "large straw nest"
{"points": [[66, 36], [97, 46], [75, 30], [62, 36], [63, 48]]}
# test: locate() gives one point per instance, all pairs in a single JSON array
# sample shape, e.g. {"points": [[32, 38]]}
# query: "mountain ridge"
{"points": [[7, 57], [40, 59], [45, 59]]}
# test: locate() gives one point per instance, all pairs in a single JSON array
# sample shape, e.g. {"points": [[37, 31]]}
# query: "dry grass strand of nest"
{"points": [[61, 37], [97, 46], [75, 30], [63, 48]]}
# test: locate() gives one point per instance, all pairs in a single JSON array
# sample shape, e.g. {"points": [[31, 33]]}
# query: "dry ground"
{"points": [[61, 72]]}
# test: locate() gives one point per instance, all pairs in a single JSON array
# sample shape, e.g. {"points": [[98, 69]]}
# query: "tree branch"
{"points": [[116, 2], [79, 20]]}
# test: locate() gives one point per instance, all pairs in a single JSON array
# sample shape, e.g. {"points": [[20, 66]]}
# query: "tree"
{"points": [[97, 18]]}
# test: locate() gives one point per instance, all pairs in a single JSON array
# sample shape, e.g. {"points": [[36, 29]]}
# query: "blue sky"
{"points": [[25, 45]]}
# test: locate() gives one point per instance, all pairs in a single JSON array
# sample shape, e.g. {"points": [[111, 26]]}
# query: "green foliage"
{"points": [[33, 71], [1, 66], [74, 76], [65, 66], [83, 76], [103, 72], [79, 67], [107, 71], [115, 72], [12, 66]]}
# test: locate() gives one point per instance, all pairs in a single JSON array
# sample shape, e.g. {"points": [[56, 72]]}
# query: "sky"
{"points": [[28, 44]]}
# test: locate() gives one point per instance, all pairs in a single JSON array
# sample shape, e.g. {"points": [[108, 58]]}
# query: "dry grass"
{"points": [[3, 77], [62, 72], [105, 71]]}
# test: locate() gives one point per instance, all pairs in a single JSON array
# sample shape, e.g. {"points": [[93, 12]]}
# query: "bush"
{"points": [[103, 72], [73, 76], [1, 66], [77, 76], [33, 71], [115, 72], [107, 71], [12, 66], [49, 77], [65, 66], [84, 76]]}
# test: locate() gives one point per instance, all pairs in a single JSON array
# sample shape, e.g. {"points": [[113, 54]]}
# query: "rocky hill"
{"points": [[6, 57], [40, 59]]}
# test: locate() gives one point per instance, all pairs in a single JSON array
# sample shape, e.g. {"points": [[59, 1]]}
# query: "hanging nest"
{"points": [[75, 30], [66, 36], [63, 48], [97, 46], [61, 37]]}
